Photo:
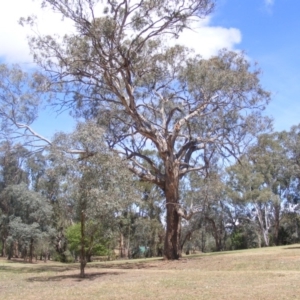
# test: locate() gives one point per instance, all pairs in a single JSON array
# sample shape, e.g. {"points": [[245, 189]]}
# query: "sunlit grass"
{"points": [[267, 273]]}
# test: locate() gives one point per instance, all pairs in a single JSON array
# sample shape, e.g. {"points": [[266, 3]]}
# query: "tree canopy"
{"points": [[118, 69]]}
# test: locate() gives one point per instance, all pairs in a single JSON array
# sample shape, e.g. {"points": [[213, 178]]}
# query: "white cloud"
{"points": [[205, 39], [269, 2], [269, 5], [208, 40], [13, 37]]}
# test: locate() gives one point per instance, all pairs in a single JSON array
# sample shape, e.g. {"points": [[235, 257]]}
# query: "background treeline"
{"points": [[61, 205]]}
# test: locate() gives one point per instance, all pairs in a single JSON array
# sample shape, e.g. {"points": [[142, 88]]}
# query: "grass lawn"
{"points": [[266, 273]]}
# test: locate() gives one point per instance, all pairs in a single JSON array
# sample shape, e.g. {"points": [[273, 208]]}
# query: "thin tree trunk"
{"points": [[203, 240], [186, 238], [258, 234], [31, 251], [276, 224], [122, 250], [82, 250], [16, 249], [128, 243], [215, 234], [296, 229], [263, 223], [3, 251], [10, 251], [24, 254]]}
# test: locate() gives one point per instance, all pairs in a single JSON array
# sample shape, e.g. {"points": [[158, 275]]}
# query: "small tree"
{"points": [[99, 184], [96, 242]]}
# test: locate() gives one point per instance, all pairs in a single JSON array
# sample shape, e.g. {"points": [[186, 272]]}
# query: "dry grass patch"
{"points": [[268, 273]]}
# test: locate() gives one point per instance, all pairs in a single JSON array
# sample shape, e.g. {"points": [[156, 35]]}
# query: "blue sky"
{"points": [[268, 31], [270, 36]]}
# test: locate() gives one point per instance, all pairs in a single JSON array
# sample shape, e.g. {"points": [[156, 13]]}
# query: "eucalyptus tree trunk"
{"points": [[203, 240], [186, 238], [276, 223], [172, 249], [31, 250], [264, 223], [16, 249], [3, 250], [10, 251]]}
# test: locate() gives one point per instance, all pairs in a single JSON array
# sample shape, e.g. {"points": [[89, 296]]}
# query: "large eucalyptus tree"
{"points": [[119, 68]]}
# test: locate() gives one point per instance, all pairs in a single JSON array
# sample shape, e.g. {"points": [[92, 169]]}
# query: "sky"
{"points": [[268, 31]]}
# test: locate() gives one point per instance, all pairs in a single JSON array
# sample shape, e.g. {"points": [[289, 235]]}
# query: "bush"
{"points": [[95, 243], [65, 257], [238, 240]]}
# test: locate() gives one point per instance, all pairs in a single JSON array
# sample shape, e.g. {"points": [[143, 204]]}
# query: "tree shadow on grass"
{"points": [[147, 265], [74, 277], [125, 266], [16, 268], [291, 248], [40, 268], [37, 268]]}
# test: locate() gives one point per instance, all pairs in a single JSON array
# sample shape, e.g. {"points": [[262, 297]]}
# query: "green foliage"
{"points": [[118, 72], [20, 96], [147, 238], [95, 241], [262, 183], [238, 240], [73, 235], [65, 257], [165, 110], [29, 217]]}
